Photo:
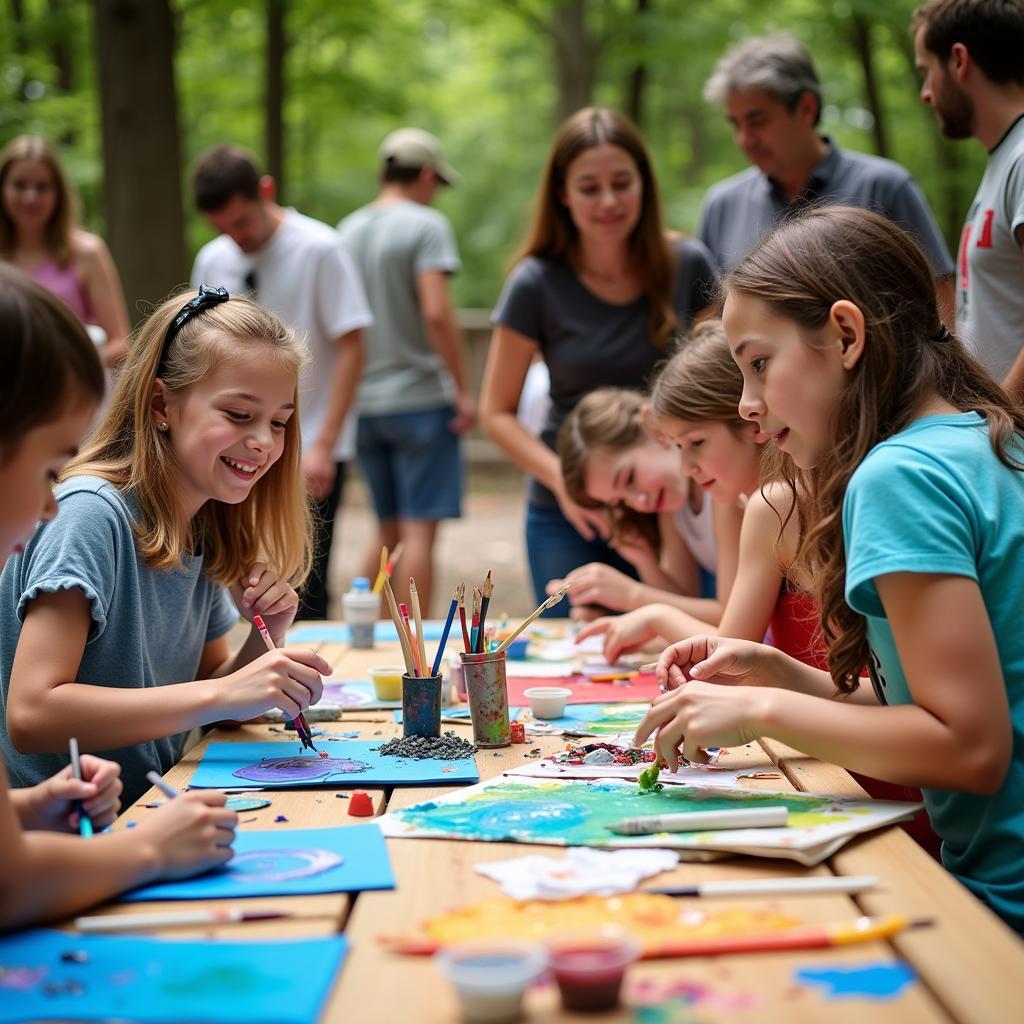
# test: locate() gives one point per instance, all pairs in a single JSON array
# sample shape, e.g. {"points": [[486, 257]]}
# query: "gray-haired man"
{"points": [[772, 98]]}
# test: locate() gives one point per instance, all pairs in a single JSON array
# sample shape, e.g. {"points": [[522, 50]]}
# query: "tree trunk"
{"points": [[274, 98], [141, 146], [636, 83], [860, 39], [576, 54], [62, 55]]}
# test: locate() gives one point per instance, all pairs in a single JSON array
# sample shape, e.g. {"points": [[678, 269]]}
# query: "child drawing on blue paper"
{"points": [[185, 503], [49, 392], [908, 461]]}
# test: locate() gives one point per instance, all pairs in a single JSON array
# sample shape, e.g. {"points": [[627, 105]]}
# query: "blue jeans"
{"points": [[554, 549]]}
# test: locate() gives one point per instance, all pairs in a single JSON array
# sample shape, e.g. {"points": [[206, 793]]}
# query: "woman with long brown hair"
{"points": [[601, 291]]}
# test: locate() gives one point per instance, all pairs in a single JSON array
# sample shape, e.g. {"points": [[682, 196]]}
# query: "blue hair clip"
{"points": [[206, 298]]}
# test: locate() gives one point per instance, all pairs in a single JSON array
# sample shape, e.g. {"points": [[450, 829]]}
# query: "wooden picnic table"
{"points": [[970, 966]]}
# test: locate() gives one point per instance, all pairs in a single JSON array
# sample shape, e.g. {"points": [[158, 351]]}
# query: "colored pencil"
{"points": [[300, 721], [699, 821], [863, 929], [773, 886], [486, 591], [84, 821], [163, 785], [170, 918], [404, 612], [474, 629], [447, 629], [611, 677], [378, 583], [549, 603], [403, 637], [414, 600]]}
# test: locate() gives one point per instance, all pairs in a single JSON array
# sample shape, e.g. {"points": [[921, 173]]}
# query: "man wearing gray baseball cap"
{"points": [[413, 401]]}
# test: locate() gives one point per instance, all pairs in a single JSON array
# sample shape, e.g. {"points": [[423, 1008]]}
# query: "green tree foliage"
{"points": [[480, 74]]}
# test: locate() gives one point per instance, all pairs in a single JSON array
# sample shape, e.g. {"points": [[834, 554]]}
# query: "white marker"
{"points": [[701, 821], [170, 918], [772, 886], [163, 785]]}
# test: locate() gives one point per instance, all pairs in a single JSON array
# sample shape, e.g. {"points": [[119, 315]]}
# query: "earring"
{"points": [[162, 425]]}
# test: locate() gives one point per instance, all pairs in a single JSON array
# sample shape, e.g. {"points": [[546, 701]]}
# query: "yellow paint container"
{"points": [[387, 682]]}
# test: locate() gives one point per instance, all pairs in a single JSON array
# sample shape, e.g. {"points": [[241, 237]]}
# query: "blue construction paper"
{"points": [[878, 982], [166, 980], [364, 865], [383, 632], [221, 759]]}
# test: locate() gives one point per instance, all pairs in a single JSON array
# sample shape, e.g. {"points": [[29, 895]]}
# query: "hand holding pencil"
{"points": [[54, 804]]}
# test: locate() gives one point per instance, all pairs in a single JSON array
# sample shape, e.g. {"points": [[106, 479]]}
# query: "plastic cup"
{"points": [[490, 978], [589, 968], [387, 681], [547, 701], [362, 610]]}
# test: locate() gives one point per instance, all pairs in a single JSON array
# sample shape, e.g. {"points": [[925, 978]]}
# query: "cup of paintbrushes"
{"points": [[421, 705], [487, 691]]}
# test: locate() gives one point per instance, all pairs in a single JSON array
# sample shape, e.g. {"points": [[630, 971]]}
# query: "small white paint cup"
{"points": [[491, 978], [547, 701]]}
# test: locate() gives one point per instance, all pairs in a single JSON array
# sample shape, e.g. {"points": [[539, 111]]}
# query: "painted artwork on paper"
{"points": [[578, 813], [651, 919], [592, 719], [288, 862], [641, 688], [353, 763], [49, 975]]}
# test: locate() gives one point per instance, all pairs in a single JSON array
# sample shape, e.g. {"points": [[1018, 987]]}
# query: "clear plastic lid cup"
{"points": [[547, 701], [491, 977], [589, 966]]}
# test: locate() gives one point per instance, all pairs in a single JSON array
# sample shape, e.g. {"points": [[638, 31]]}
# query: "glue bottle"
{"points": [[361, 607]]}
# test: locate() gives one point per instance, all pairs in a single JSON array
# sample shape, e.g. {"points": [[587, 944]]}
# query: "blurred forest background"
{"points": [[132, 90]]}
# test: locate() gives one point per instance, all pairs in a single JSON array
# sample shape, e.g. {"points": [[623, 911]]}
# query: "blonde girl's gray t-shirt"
{"points": [[148, 627]]}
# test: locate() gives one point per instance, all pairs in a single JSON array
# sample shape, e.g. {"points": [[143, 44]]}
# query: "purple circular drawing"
{"points": [[282, 865], [298, 769]]}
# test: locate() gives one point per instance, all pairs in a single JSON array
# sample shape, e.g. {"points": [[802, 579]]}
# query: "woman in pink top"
{"points": [[38, 233]]}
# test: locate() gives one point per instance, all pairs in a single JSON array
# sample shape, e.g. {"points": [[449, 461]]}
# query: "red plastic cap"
{"points": [[518, 732], [360, 805]]}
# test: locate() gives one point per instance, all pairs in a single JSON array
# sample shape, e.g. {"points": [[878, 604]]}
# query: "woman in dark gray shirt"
{"points": [[601, 291]]}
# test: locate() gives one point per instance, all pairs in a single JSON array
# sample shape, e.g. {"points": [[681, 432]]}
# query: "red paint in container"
{"points": [[589, 969]]}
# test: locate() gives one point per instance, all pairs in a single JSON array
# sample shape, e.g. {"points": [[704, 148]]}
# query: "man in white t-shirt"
{"points": [[295, 266], [971, 56]]}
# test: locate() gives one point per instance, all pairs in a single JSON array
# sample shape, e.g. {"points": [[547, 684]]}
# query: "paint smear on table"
{"points": [[877, 982]]}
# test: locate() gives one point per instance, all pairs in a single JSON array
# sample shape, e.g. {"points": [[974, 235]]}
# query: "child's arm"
{"points": [[46, 708], [956, 735], [636, 629], [48, 876]]}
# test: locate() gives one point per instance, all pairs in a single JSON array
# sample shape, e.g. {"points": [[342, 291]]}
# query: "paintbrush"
{"points": [[414, 600], [549, 603], [378, 583], [84, 821], [403, 637], [403, 610], [300, 721], [459, 591], [486, 590]]}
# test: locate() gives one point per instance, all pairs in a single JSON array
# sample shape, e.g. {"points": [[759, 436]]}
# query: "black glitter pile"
{"points": [[447, 747]]}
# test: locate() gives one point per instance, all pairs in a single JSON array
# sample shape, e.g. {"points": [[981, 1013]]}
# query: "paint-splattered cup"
{"points": [[589, 968], [547, 701], [487, 691], [491, 977]]}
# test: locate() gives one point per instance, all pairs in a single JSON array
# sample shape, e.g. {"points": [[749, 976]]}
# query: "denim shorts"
{"points": [[412, 463]]}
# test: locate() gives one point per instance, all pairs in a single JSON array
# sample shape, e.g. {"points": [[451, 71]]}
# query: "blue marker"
{"points": [[84, 821]]}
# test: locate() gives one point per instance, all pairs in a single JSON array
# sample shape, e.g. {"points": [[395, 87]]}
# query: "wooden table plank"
{"points": [[971, 961]]}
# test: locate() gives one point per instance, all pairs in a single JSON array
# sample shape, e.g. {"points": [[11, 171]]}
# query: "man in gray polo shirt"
{"points": [[772, 98]]}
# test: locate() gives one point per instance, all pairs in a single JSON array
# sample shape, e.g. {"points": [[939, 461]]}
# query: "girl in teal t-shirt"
{"points": [[908, 459]]}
